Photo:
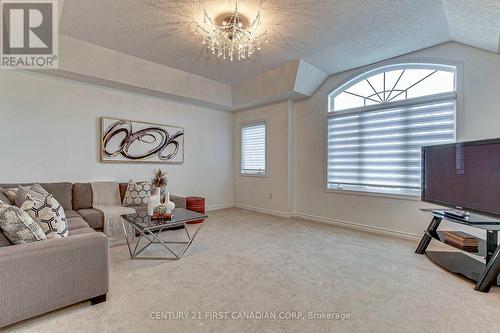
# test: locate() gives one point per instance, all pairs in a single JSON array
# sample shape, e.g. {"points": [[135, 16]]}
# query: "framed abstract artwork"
{"points": [[136, 141]]}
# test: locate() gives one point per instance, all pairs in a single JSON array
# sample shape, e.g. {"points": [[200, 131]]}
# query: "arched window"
{"points": [[378, 122]]}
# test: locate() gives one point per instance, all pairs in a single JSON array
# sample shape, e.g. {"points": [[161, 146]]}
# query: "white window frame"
{"points": [[455, 66], [249, 124]]}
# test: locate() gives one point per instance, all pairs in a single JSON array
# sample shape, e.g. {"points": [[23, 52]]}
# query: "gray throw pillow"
{"points": [[18, 226], [34, 191]]}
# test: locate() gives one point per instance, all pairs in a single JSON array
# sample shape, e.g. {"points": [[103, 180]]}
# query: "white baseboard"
{"points": [[321, 219], [264, 211], [219, 207], [358, 226]]}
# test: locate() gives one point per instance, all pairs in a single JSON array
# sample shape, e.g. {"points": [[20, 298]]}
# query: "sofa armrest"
{"points": [[180, 202], [43, 276]]}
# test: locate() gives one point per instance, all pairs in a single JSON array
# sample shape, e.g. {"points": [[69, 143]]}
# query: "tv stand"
{"points": [[484, 274], [453, 213]]}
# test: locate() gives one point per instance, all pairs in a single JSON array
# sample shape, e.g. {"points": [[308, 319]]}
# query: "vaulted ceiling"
{"points": [[332, 35]]}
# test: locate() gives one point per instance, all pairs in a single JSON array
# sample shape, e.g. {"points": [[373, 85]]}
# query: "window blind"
{"points": [[382, 148], [253, 149]]}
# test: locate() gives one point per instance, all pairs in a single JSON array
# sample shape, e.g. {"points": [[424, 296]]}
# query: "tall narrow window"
{"points": [[378, 122], [253, 149]]}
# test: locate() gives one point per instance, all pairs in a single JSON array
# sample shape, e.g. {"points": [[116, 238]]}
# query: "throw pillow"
{"points": [[18, 226], [35, 191], [49, 214], [3, 197], [137, 193], [11, 193]]}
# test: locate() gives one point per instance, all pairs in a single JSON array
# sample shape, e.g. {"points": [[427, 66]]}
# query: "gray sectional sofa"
{"points": [[39, 277]]}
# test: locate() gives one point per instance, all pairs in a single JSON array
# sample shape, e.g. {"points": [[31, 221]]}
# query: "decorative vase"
{"points": [[163, 194], [161, 210], [169, 204], [153, 201]]}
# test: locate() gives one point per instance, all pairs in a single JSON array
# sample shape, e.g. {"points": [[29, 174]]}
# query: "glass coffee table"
{"points": [[140, 224]]}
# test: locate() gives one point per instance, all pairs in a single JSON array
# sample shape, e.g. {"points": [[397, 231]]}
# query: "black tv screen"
{"points": [[463, 175]]}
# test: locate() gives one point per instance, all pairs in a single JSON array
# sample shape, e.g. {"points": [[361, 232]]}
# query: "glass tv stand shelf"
{"points": [[471, 266]]}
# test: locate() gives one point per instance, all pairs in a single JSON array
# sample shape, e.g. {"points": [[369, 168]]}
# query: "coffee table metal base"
{"points": [[153, 237]]}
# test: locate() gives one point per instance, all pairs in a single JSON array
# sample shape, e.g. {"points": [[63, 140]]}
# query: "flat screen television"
{"points": [[463, 175]]}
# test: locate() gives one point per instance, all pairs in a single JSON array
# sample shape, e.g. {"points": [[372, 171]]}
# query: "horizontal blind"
{"points": [[382, 148], [253, 149]]}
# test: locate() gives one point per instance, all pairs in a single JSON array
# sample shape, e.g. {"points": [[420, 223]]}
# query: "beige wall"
{"points": [[269, 192], [49, 131], [479, 117]]}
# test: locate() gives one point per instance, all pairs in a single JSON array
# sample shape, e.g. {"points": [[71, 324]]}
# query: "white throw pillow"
{"points": [[49, 214], [137, 193]]}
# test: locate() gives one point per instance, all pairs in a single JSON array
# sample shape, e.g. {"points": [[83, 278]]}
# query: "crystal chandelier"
{"points": [[231, 35]]}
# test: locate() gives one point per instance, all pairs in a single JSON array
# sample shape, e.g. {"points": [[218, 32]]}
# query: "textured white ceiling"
{"points": [[476, 23], [331, 35]]}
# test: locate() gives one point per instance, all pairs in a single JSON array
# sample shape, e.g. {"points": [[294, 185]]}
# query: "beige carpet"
{"points": [[245, 262]]}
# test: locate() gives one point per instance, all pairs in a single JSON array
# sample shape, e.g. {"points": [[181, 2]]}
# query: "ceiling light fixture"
{"points": [[231, 35]]}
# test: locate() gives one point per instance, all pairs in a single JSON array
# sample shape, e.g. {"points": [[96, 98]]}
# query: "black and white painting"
{"points": [[135, 141]]}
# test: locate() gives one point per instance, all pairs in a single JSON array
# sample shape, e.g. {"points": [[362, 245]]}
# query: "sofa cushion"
{"points": [[71, 213], [94, 217], [62, 192], [76, 223], [49, 214], [18, 226], [82, 196], [81, 231]]}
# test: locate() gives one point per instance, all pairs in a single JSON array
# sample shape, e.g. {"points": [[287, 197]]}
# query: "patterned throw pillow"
{"points": [[3, 197], [35, 191], [49, 214], [12, 192], [18, 226], [137, 193]]}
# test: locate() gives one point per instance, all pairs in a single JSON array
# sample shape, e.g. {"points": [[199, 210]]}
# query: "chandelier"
{"points": [[231, 35]]}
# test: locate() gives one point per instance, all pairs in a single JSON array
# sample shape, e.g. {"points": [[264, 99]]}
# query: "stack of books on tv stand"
{"points": [[478, 259], [462, 240]]}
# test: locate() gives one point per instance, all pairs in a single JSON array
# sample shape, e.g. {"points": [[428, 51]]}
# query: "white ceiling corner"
{"points": [[475, 23]]}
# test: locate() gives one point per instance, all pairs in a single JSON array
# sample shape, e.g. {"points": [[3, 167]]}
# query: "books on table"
{"points": [[461, 239]]}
